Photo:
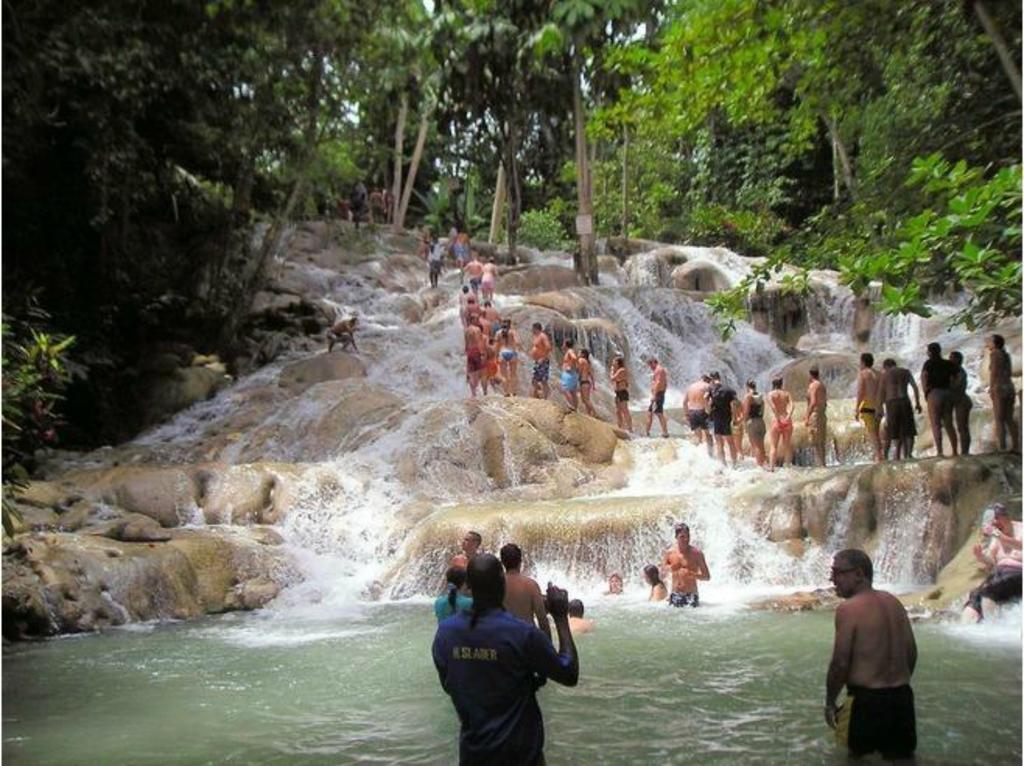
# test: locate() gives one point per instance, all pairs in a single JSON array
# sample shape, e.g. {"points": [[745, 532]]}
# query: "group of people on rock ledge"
{"points": [[493, 651]]}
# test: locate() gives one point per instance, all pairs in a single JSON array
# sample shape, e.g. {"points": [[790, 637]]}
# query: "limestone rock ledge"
{"points": [[60, 582]]}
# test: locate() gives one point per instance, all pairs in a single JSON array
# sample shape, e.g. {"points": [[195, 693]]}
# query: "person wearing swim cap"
{"points": [[491, 665]]}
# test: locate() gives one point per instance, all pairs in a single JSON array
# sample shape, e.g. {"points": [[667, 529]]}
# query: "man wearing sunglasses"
{"points": [[873, 657]]}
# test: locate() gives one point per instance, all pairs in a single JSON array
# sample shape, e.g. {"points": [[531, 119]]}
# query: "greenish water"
{"points": [[716, 685]]}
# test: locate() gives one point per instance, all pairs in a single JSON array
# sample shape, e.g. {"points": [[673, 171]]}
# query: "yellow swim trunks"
{"points": [[869, 416]]}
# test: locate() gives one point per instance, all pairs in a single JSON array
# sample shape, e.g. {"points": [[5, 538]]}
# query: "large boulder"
{"points": [[539, 278], [298, 376], [584, 539], [931, 505], [67, 583]]}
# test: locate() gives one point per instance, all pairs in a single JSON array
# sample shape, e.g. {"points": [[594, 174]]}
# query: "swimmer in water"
{"points": [[614, 585], [658, 590], [577, 622]]}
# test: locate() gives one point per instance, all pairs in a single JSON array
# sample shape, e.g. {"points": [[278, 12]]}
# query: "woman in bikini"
{"points": [[782, 424], [508, 357], [586, 381], [753, 413], [620, 382]]}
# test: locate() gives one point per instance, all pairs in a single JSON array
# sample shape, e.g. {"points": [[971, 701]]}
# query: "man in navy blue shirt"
{"points": [[491, 664]]}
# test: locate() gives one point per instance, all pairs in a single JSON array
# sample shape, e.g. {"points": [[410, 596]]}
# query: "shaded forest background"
{"points": [[154, 154]]}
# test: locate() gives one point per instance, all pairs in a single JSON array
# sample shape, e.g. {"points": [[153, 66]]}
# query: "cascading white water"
{"points": [[349, 518]]}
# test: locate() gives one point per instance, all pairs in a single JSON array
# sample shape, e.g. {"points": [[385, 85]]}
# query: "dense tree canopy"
{"points": [[143, 142]]}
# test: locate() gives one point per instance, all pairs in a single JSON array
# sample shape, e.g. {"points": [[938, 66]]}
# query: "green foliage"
{"points": [[542, 229], [969, 234], [438, 208], [34, 371], [746, 231]]}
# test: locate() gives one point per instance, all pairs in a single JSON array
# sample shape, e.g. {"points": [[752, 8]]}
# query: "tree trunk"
{"points": [[844, 158], [414, 164], [584, 192], [625, 183], [500, 192], [1005, 57], [835, 170], [396, 185], [510, 150]]}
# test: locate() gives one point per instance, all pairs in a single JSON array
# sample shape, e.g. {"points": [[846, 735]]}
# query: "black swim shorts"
{"points": [[722, 425], [878, 719], [658, 405], [698, 420], [684, 599], [622, 395]]}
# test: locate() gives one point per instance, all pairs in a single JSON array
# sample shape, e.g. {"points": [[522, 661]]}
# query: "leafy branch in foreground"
{"points": [[34, 373]]}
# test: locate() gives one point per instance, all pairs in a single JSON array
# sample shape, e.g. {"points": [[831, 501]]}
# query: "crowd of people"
{"points": [[493, 649], [725, 421]]}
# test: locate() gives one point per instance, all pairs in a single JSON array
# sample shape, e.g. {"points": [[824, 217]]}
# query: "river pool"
{"points": [[722, 684]]}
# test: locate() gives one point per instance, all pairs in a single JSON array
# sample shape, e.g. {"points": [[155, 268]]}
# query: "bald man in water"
{"points": [[522, 594], [873, 656]]}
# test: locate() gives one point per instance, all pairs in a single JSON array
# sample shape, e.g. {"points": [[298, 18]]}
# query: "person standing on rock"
{"points": [[659, 385], [470, 545], [489, 279], [720, 401], [541, 355], [868, 407], [620, 382], [1000, 388], [476, 349], [873, 656], [586, 371], [782, 425], [960, 401], [491, 318], [508, 357], [435, 260], [935, 375], [475, 271], [686, 564], [695, 402], [491, 665], [523, 598], [816, 420], [899, 417], [358, 203], [753, 413], [570, 379]]}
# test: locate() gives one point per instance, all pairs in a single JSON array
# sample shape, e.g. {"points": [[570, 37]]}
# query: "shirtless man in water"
{"points": [[816, 420], [696, 415], [343, 332], [782, 424], [899, 417], [687, 566], [522, 594], [476, 349], [475, 271], [470, 547], [868, 407], [659, 385], [874, 655], [541, 355]]}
